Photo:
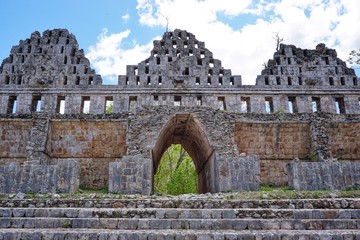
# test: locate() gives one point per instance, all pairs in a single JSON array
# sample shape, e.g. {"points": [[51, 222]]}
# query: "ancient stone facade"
{"points": [[305, 106]]}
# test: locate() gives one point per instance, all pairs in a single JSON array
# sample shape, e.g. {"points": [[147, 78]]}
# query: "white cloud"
{"points": [[110, 58], [126, 17], [241, 48]]}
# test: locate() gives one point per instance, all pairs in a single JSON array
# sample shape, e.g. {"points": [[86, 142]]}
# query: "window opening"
{"points": [[198, 101], [156, 100], [74, 70], [281, 70], [277, 59], [199, 62], [148, 81], [269, 106], [197, 81], [220, 81], [12, 104], [36, 104], [146, 69], [169, 59], [7, 79], [158, 60], [186, 70], [326, 59], [336, 70], [355, 82], [289, 61], [315, 103], [91, 80], [342, 81], [19, 79], [127, 80], [221, 103], [60, 105], [22, 58], [132, 103], [77, 80], [85, 105], [177, 101], [160, 80], [300, 81], [65, 60], [331, 81], [289, 81], [232, 82], [109, 105], [292, 105], [65, 80], [137, 80], [135, 71], [11, 58], [267, 80], [300, 70], [278, 81], [339, 105], [245, 104], [209, 81]]}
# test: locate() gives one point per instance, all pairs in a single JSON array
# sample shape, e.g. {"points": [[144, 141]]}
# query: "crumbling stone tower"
{"points": [[56, 133]]}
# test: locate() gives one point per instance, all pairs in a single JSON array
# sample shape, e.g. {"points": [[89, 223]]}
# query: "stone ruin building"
{"points": [[299, 125]]}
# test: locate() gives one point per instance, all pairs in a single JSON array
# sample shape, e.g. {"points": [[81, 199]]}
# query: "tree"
{"points": [[176, 172], [278, 40], [109, 108], [354, 57]]}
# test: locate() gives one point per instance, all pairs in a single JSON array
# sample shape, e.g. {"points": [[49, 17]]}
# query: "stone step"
{"points": [[194, 224], [203, 203], [106, 234], [177, 213]]}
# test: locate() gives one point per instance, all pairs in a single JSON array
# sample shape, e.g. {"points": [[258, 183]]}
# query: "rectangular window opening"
{"points": [[336, 70], [331, 81], [277, 59], [135, 71], [300, 81], [221, 103], [158, 60], [146, 69], [148, 81], [289, 81], [132, 102], [326, 59], [340, 105], [220, 81], [156, 100], [19, 79], [109, 105], [77, 82], [232, 82], [278, 81], [60, 105], [187, 71], [245, 104], [289, 61], [177, 101], [65, 81], [137, 80], [267, 80], [292, 105], [355, 81], [160, 80], [269, 106], [315, 104], [199, 62], [12, 104], [169, 59], [85, 105], [91, 80], [74, 70], [198, 101], [342, 81], [7, 79], [209, 81], [36, 104], [197, 81]]}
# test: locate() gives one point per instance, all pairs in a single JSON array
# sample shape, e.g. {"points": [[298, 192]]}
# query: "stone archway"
{"points": [[185, 129]]}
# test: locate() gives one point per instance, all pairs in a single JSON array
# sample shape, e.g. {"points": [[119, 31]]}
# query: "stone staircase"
{"points": [[179, 218]]}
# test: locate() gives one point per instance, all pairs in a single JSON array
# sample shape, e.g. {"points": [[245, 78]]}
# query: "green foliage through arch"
{"points": [[176, 172]]}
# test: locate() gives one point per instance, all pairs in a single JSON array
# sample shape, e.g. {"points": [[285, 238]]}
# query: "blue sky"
{"points": [[116, 33]]}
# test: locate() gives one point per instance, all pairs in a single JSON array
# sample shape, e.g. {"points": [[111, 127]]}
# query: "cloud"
{"points": [[126, 17], [110, 58], [241, 47]]}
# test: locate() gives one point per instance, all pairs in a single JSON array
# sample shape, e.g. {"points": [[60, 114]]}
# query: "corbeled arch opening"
{"points": [[184, 129]]}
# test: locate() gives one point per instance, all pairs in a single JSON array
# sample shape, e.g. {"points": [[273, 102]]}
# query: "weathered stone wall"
{"points": [[344, 140], [94, 143], [276, 143], [63, 177], [14, 135], [323, 175]]}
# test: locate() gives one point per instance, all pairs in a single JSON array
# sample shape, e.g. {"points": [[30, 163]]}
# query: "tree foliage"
{"points": [[176, 172], [354, 57], [109, 109]]}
